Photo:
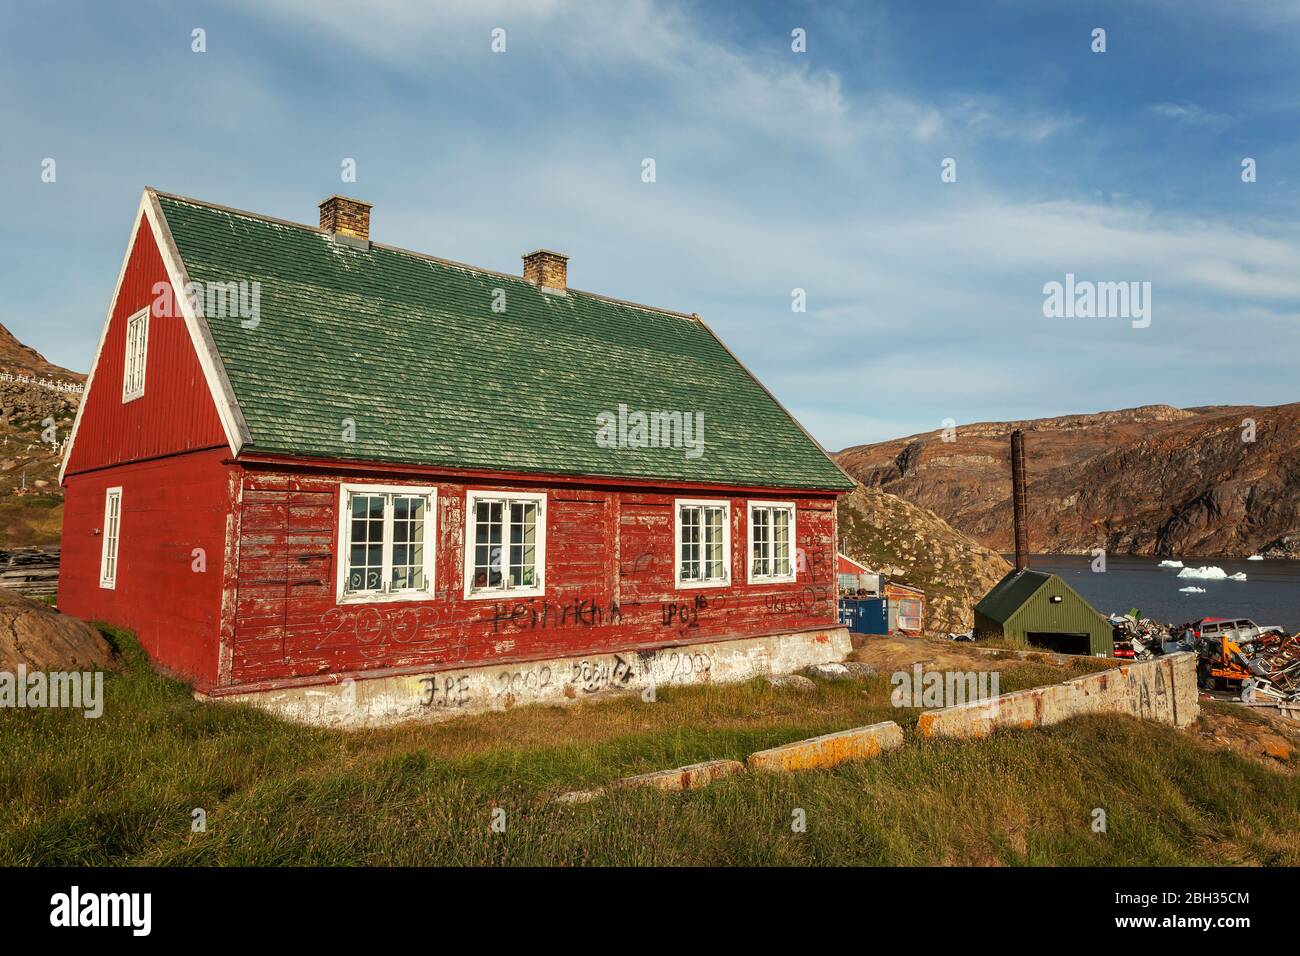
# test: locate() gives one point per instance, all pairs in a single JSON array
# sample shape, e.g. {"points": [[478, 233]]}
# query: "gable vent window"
{"points": [[771, 536], [386, 533], [703, 552], [137, 349], [112, 532], [505, 544]]}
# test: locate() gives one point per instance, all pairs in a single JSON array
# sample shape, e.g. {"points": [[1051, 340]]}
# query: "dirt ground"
{"points": [[1253, 732], [889, 654]]}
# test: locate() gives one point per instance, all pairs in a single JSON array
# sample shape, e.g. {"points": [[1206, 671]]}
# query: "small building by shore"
{"points": [[1043, 611]]}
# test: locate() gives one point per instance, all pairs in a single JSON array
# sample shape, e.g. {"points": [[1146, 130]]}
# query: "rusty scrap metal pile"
{"points": [[1272, 661], [1263, 661], [1140, 638]]}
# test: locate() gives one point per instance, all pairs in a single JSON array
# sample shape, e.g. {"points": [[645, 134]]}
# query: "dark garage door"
{"points": [[1061, 643]]}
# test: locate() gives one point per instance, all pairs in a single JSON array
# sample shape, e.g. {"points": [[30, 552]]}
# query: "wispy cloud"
{"points": [[1190, 114], [776, 170]]}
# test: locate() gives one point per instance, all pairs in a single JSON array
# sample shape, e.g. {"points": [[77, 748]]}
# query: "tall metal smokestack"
{"points": [[1018, 498]]}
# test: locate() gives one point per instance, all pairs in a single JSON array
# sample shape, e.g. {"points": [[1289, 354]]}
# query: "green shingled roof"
{"points": [[409, 348]]}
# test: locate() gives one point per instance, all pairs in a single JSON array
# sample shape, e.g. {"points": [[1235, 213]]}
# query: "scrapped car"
{"points": [[1234, 628]]}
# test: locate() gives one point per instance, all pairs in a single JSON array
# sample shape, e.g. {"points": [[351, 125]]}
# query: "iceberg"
{"points": [[1208, 573], [1170, 564], [1256, 557], [1191, 590], [1239, 576]]}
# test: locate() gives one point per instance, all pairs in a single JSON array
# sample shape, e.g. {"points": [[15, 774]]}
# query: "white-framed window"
{"points": [[771, 542], [702, 556], [386, 542], [505, 544], [909, 614], [137, 352], [112, 534]]}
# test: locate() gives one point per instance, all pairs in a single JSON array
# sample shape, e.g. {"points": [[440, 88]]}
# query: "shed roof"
{"points": [[1010, 594], [408, 348]]}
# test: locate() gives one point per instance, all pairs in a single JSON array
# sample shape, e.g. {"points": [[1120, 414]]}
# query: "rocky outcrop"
{"points": [[914, 545], [38, 404], [1156, 480], [40, 638]]}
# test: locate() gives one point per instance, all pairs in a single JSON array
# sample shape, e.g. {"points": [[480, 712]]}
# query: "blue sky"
{"points": [[775, 170]]}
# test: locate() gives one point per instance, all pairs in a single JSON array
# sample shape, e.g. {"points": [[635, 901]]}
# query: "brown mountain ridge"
{"points": [[1154, 480], [33, 393]]}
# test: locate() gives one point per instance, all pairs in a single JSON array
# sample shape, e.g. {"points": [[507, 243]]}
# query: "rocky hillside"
{"points": [[914, 545], [38, 402], [1153, 480]]}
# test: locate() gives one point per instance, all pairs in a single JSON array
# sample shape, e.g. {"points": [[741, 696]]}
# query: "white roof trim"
{"points": [[865, 569], [214, 373]]}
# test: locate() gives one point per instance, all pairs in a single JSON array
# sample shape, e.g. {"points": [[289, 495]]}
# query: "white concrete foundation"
{"points": [[439, 695]]}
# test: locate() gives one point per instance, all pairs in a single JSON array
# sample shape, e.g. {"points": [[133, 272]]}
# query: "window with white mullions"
{"points": [[387, 538], [112, 534], [366, 543], [488, 533], [703, 551], [409, 515], [505, 544], [137, 350], [771, 542]]}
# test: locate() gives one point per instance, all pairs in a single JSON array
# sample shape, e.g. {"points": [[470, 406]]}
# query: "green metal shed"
{"points": [[1043, 611]]}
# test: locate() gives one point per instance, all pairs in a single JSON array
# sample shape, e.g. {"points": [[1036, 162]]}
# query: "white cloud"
{"points": [[1192, 115], [774, 172]]}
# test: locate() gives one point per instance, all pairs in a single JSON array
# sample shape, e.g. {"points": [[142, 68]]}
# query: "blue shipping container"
{"points": [[865, 615]]}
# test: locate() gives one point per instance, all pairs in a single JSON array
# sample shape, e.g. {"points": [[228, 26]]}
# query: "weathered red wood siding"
{"points": [[166, 451], [845, 565], [609, 582], [170, 507], [176, 412]]}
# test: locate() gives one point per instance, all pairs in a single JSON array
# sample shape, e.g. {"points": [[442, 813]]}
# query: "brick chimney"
{"points": [[346, 217], [547, 270]]}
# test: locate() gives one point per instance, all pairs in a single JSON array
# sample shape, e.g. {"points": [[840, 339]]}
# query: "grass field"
{"points": [[121, 789], [30, 520]]}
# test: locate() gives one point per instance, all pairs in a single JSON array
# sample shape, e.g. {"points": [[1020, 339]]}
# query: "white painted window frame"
{"points": [[346, 490], [753, 578], [136, 358], [472, 498], [918, 617], [678, 505], [110, 551]]}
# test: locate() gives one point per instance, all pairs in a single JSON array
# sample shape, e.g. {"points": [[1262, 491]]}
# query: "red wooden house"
{"points": [[846, 565], [304, 457]]}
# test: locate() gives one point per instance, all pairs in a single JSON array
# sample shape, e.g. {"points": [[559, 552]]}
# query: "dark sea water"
{"points": [[1269, 595]]}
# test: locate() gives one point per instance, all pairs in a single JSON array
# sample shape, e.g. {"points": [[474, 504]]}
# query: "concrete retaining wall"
{"points": [[694, 777], [1163, 689], [829, 750], [377, 701]]}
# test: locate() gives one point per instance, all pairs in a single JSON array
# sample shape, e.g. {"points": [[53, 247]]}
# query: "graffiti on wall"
{"points": [[590, 675]]}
